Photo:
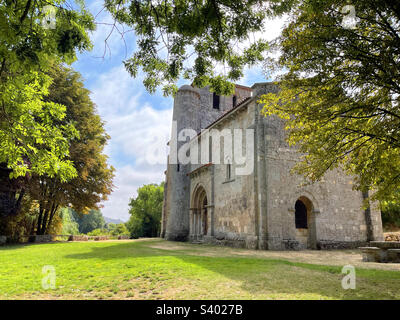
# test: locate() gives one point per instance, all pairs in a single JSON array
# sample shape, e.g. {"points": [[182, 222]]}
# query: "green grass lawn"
{"points": [[143, 270]]}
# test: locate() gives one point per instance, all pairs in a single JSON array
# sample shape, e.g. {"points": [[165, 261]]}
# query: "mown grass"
{"points": [[137, 270]]}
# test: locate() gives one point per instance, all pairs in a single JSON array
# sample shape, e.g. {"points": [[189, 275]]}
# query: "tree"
{"points": [[214, 34], [110, 227], [90, 221], [69, 225], [145, 211], [93, 182], [346, 84], [344, 76], [98, 232], [119, 229], [31, 138], [18, 227]]}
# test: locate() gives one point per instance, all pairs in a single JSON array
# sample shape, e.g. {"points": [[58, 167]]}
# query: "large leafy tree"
{"points": [[33, 134], [341, 92], [208, 41], [31, 140], [145, 211], [93, 182]]}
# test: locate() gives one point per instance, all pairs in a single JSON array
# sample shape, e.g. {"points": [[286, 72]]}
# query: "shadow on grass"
{"points": [[258, 276]]}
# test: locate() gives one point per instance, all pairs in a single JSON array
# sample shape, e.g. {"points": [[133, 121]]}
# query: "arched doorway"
{"points": [[305, 223], [199, 213]]}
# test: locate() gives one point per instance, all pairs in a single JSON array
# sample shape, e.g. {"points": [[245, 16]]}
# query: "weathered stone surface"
{"points": [[392, 237], [100, 238], [372, 254], [338, 245], [41, 238], [386, 244], [123, 237], [202, 202], [291, 244], [393, 255], [78, 238], [381, 252]]}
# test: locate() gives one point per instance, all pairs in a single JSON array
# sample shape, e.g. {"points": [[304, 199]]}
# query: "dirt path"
{"points": [[323, 257]]}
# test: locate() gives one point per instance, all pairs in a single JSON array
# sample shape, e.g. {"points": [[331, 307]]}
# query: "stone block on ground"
{"points": [[78, 238], [393, 255], [372, 254]]}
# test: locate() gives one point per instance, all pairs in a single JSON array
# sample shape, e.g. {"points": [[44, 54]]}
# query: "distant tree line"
{"points": [[92, 224]]}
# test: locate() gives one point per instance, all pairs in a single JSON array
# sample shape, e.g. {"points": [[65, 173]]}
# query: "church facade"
{"points": [[229, 181]]}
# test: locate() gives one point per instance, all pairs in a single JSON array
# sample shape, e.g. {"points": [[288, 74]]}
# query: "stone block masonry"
{"points": [[268, 208]]}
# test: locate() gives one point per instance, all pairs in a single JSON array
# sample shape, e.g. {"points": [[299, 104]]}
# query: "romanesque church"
{"points": [[257, 203]]}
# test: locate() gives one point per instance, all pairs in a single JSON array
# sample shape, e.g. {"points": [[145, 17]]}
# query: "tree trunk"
{"points": [[10, 203], [39, 220], [368, 219], [52, 214]]}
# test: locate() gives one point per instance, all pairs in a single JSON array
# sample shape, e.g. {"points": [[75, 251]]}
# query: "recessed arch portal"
{"points": [[300, 215], [199, 212], [304, 218]]}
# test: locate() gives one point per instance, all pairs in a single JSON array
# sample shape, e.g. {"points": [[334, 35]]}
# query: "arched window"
{"points": [[300, 215]]}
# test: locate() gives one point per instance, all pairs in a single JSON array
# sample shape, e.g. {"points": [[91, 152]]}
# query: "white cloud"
{"points": [[137, 130], [127, 180], [272, 28]]}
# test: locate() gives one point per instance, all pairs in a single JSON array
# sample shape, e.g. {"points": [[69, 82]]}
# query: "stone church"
{"points": [[257, 203]]}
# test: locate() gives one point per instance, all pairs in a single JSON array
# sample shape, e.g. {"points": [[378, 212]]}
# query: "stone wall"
{"points": [[335, 213], [123, 237], [78, 238], [234, 197], [233, 203], [193, 109], [257, 210], [41, 238]]}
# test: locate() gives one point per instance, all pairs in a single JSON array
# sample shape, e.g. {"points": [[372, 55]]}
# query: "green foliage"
{"points": [[33, 136], [98, 232], [110, 229], [120, 230], [30, 126], [90, 221], [19, 226], [341, 92], [69, 225], [93, 180], [390, 215], [145, 211], [192, 38]]}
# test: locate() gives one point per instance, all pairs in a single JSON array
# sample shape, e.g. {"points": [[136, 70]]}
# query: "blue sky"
{"points": [[139, 123]]}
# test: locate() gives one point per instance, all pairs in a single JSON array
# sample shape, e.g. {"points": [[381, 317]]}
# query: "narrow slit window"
{"points": [[215, 101], [228, 172], [209, 150], [234, 101]]}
